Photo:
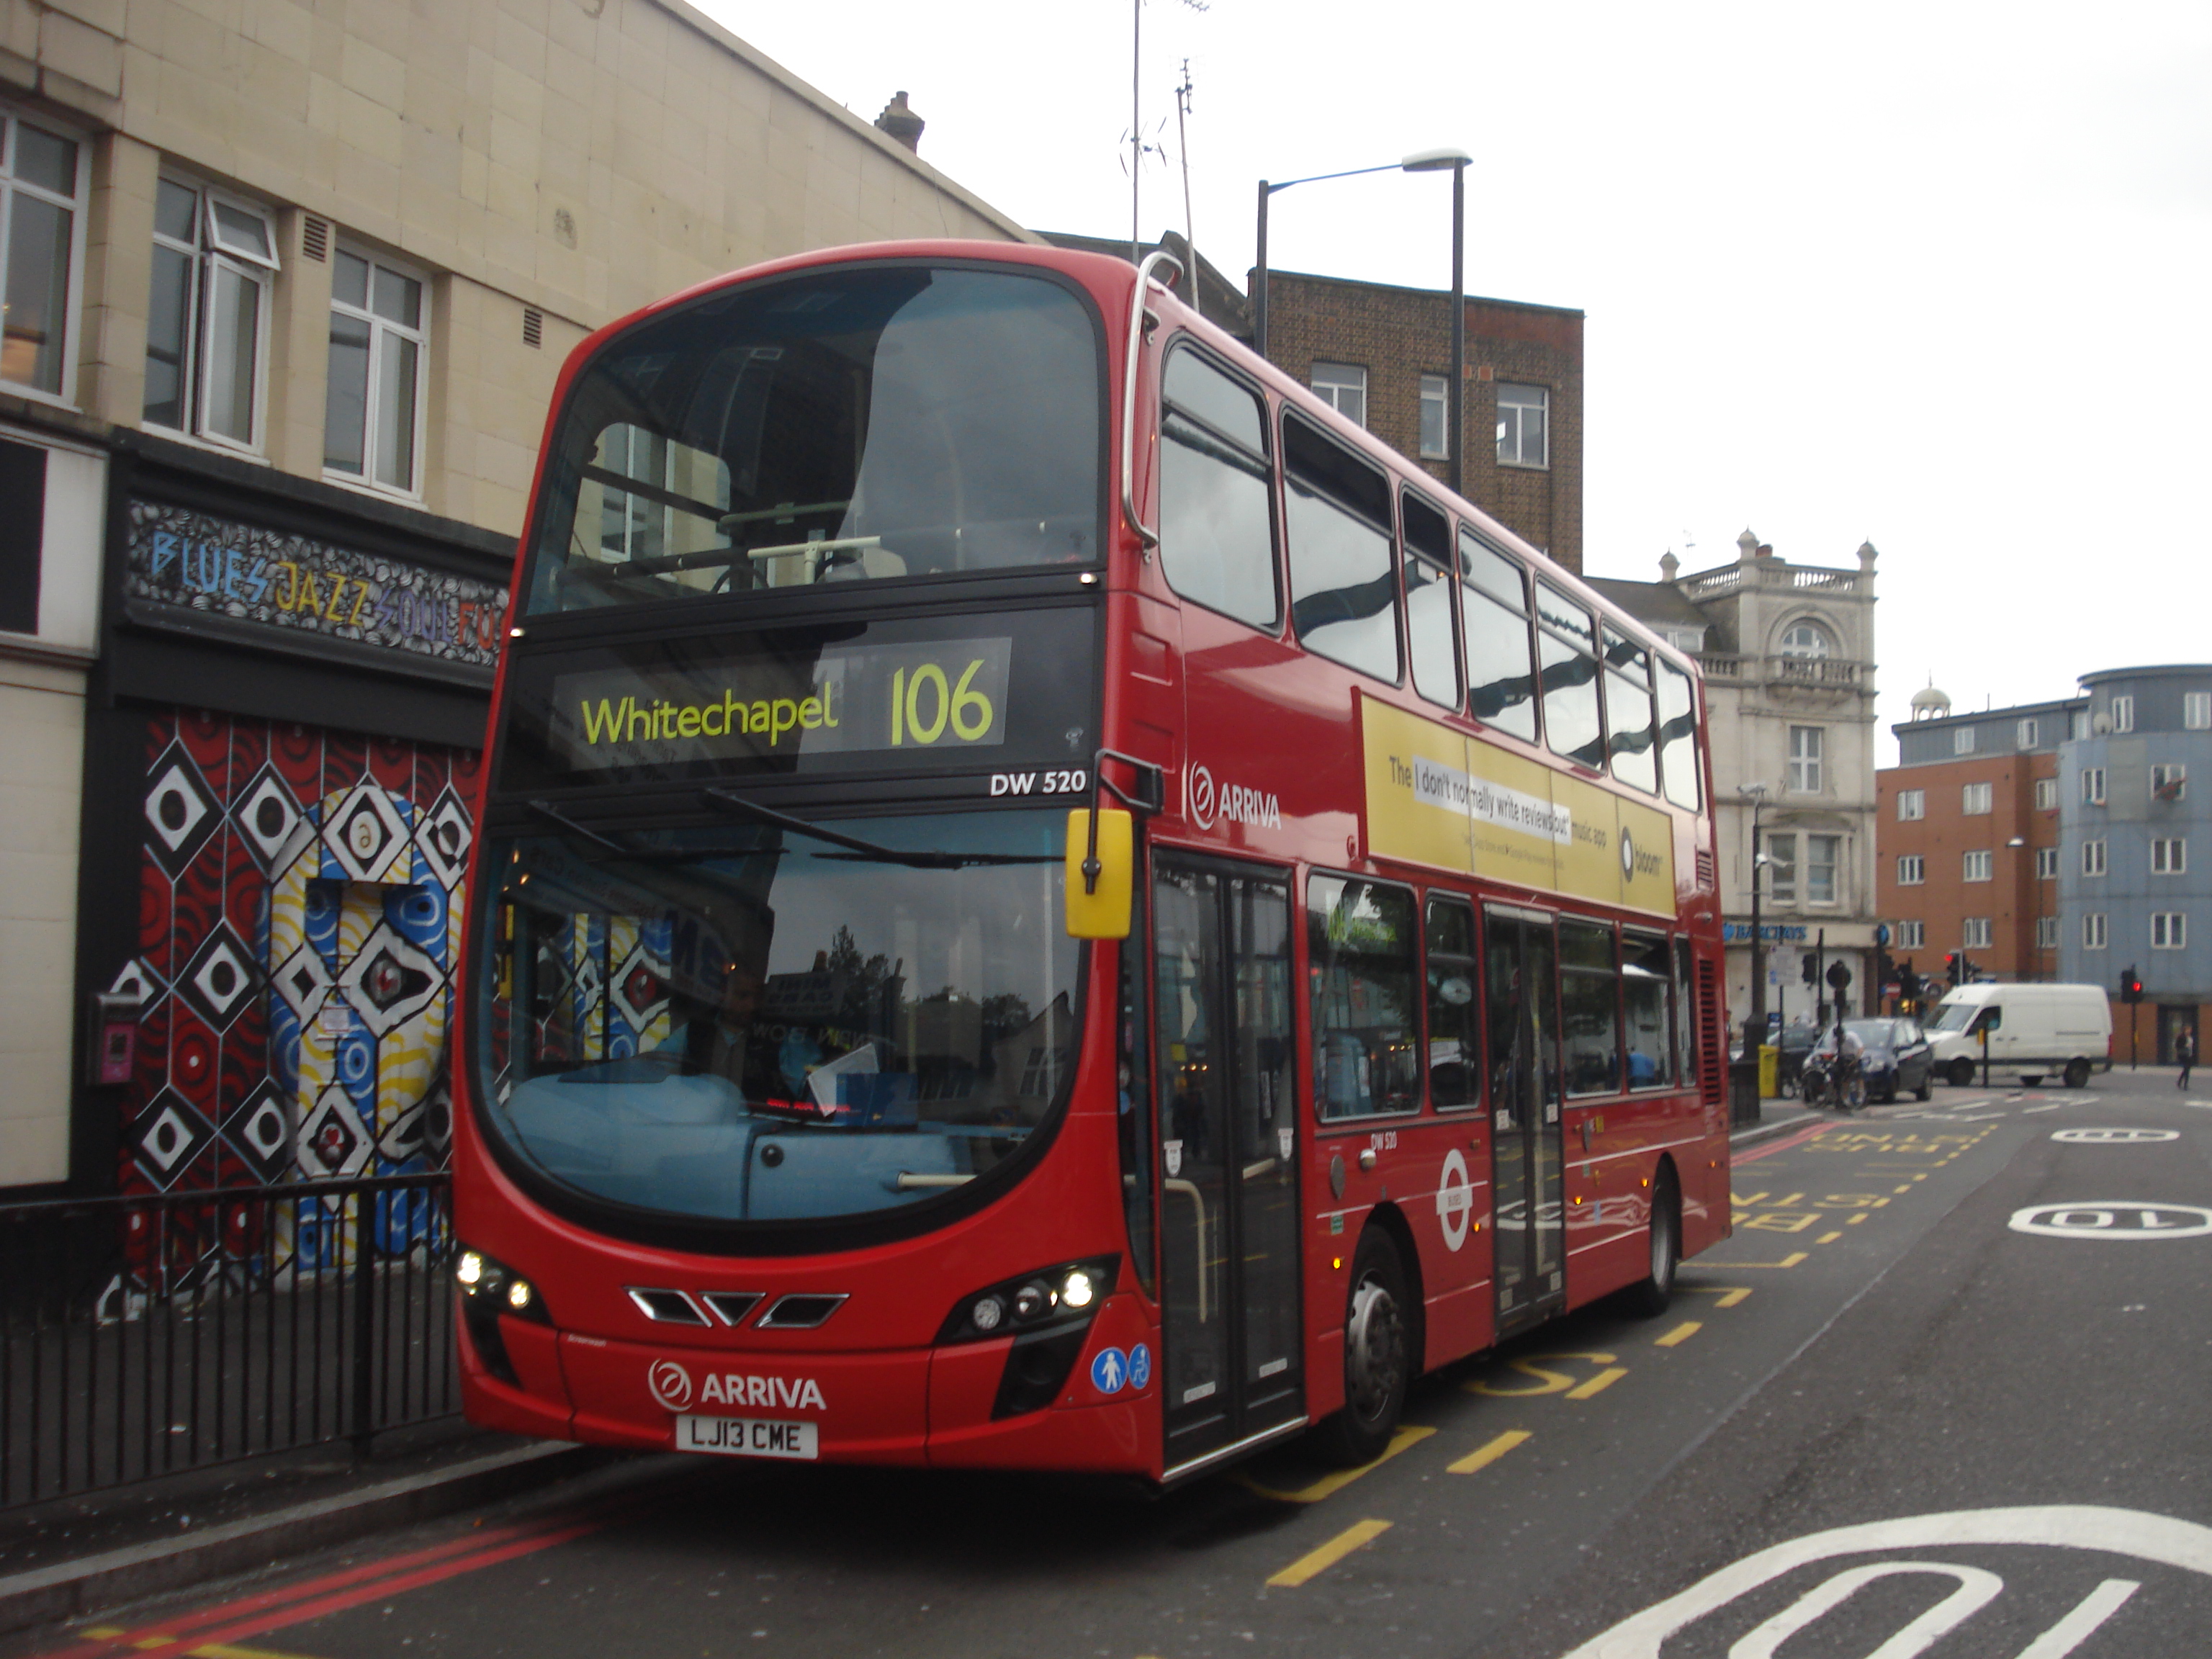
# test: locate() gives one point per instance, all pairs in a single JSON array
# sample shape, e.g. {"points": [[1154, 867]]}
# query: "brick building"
{"points": [[288, 288], [1968, 861]]}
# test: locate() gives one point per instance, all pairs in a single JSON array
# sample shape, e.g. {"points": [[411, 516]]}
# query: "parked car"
{"points": [[1897, 1057]]}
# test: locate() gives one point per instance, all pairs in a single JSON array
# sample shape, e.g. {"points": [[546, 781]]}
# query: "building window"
{"points": [[1974, 932], [2169, 856], [1911, 804], [1822, 855], [1524, 421], [2047, 864], [2046, 794], [2078, 725], [1974, 800], [2169, 782], [2092, 857], [1343, 387], [1978, 867], [2029, 732], [2093, 931], [2196, 711], [207, 318], [41, 189], [1912, 935], [1912, 870], [2169, 930], [2123, 714], [371, 415], [1962, 740], [2046, 933], [2093, 786], [1782, 867], [1805, 747], [1805, 640], [1435, 417]]}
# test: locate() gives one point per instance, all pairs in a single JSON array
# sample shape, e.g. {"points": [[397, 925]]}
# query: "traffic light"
{"points": [[1908, 986], [2130, 986], [1954, 969], [1810, 968]]}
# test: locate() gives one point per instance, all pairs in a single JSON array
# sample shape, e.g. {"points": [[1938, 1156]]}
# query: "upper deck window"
{"points": [[1344, 594], [1678, 735], [1501, 674], [1216, 536], [866, 422], [1429, 601], [1568, 663], [1629, 712]]}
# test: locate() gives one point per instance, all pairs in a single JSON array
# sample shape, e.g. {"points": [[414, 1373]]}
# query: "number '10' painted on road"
{"points": [[968, 711]]}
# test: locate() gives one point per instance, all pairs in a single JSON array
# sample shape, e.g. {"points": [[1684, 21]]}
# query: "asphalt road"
{"points": [[1948, 1390]]}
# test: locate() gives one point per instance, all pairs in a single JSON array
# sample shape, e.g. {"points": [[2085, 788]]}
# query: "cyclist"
{"points": [[1850, 1068]]}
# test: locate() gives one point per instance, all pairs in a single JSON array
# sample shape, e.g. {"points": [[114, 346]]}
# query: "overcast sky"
{"points": [[1933, 276]]}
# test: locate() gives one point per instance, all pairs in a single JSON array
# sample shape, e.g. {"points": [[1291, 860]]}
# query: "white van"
{"points": [[2034, 1030]]}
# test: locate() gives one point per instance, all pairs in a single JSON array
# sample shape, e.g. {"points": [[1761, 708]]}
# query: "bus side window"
{"points": [[1589, 1008], [1336, 518], [1567, 663], [1366, 1005], [1645, 981], [1501, 674], [1217, 530], [1629, 713], [1455, 1050], [1685, 1019], [1678, 736], [1433, 641]]}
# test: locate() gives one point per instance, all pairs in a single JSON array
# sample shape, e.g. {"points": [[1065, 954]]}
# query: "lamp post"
{"points": [[2021, 916], [1427, 160], [1754, 1031]]}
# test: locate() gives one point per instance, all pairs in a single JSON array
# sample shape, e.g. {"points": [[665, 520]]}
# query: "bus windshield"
{"points": [[872, 421], [742, 1023]]}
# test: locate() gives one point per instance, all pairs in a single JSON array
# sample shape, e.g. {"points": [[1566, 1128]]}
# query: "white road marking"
{"points": [[2113, 1218], [2113, 1137], [2077, 1626], [1975, 1591]]}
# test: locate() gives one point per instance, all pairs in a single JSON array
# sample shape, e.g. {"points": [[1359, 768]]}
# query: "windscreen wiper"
{"points": [[867, 849]]}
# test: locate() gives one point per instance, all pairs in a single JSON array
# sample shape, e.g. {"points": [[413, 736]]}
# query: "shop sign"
{"points": [[222, 568]]}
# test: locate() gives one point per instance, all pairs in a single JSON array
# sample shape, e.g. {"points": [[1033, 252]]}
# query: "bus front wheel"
{"points": [[1377, 1349]]}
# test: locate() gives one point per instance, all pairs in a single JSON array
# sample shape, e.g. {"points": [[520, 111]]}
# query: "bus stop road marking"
{"points": [[1790, 1260], [1598, 1385], [1358, 1536], [1730, 1295], [1488, 1452], [1828, 1238], [1682, 1333], [1330, 1485]]}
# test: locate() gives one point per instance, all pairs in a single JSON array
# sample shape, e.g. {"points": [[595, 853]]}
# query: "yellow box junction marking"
{"points": [[1488, 1452], [1329, 1485], [1682, 1333], [1312, 1565]]}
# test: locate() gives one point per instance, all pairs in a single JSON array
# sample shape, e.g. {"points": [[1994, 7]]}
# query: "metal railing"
{"points": [[142, 1336]]}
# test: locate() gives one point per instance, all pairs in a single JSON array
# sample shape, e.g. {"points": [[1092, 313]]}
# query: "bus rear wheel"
{"points": [[1650, 1299], [1377, 1351]]}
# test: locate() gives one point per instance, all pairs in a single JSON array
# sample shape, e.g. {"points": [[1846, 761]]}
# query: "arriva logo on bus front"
{"points": [[670, 1384], [1229, 803]]}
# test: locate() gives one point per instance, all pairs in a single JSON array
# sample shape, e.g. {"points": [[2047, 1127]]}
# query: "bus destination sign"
{"points": [[939, 694]]}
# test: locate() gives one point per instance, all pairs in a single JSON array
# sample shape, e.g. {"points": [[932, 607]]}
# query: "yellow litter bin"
{"points": [[1770, 1071]]}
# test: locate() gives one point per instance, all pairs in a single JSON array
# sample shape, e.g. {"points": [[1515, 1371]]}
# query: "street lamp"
{"points": [[1754, 1031], [2019, 916], [1426, 160]]}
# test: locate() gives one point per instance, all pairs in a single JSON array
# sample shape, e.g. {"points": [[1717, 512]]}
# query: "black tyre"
{"points": [[1377, 1353], [1649, 1299], [1927, 1089], [1961, 1073], [2077, 1073]]}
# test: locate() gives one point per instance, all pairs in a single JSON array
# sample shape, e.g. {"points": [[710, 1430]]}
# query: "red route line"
{"points": [[1798, 1140]]}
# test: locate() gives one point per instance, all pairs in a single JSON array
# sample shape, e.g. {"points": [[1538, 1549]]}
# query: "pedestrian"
{"points": [[2184, 1053]]}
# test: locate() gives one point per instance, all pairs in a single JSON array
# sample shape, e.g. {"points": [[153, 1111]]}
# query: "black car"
{"points": [[1897, 1057]]}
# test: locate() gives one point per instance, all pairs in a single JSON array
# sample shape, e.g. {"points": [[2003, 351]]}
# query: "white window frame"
{"points": [[2169, 772], [1436, 398], [1979, 866], [1912, 935], [1334, 383], [1974, 800], [2046, 794], [2094, 861], [379, 326], [2093, 786], [2196, 711], [209, 255], [2123, 714], [1808, 747], [1807, 641], [1912, 869], [2093, 931], [2046, 933], [1962, 740], [1833, 865], [2169, 855], [1974, 933], [1513, 434], [2029, 731], [65, 394], [2047, 864], [1912, 806], [2169, 930], [1781, 866]]}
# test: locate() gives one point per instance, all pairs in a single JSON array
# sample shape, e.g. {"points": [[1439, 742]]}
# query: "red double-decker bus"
{"points": [[1044, 902]]}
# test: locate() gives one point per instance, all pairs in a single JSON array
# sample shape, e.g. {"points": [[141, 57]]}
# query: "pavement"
{"points": [[73, 1557]]}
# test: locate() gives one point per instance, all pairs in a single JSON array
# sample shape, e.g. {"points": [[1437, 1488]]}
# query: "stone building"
{"points": [[288, 288], [1788, 652]]}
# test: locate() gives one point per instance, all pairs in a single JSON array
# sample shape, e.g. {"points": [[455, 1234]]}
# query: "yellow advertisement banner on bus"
{"points": [[1439, 797]]}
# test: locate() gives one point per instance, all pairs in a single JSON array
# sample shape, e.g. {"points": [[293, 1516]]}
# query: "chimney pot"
{"points": [[901, 123]]}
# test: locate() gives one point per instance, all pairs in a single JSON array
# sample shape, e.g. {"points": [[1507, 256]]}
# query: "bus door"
{"points": [[1224, 1093], [1527, 1150]]}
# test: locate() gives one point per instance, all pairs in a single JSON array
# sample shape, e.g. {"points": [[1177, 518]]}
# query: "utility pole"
{"points": [[1182, 149]]}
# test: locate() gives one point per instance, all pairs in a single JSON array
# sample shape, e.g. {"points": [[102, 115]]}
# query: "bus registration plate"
{"points": [[747, 1436]]}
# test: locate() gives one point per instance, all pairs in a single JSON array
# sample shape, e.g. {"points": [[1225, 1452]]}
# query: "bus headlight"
{"points": [[1079, 1290], [1053, 1299]]}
